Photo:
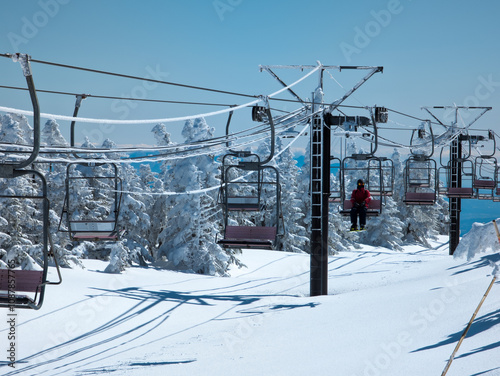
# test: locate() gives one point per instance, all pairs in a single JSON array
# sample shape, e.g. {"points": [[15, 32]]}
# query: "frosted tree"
{"points": [[15, 129], [158, 205], [188, 240], [134, 218], [55, 173], [21, 224], [21, 219], [295, 238], [385, 230], [151, 187]]}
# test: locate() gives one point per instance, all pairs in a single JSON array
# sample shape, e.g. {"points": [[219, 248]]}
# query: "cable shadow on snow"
{"points": [[131, 325], [482, 262], [480, 325]]}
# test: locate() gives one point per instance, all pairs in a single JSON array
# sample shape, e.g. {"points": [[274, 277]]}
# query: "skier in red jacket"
{"points": [[360, 200]]}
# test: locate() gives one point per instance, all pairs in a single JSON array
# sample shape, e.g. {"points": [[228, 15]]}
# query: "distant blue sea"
{"points": [[477, 211]]}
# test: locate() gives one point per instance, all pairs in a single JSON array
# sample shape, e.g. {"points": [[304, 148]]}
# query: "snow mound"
{"points": [[482, 238]]}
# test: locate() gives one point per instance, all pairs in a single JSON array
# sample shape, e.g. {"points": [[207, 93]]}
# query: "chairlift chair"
{"points": [[362, 168], [106, 189], [26, 288], [420, 171], [496, 196], [14, 281], [240, 200], [246, 196], [420, 179], [485, 179], [466, 190], [336, 192]]}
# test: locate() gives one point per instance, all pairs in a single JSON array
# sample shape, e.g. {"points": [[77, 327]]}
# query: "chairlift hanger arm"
{"points": [[373, 70], [24, 60], [267, 69], [456, 108]]}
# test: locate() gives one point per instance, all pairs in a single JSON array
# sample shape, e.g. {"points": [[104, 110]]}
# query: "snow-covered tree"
{"points": [[295, 238], [188, 240]]}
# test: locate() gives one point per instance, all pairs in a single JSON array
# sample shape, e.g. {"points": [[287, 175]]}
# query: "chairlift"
{"points": [[336, 192], [105, 188], [26, 288], [101, 221], [496, 196], [357, 167], [464, 168], [15, 281], [238, 195], [485, 177], [377, 172], [420, 171]]}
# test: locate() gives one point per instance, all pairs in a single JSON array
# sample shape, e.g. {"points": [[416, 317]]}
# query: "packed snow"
{"points": [[387, 312]]}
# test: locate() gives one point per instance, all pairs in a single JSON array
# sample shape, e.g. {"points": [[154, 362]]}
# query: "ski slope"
{"points": [[387, 313]]}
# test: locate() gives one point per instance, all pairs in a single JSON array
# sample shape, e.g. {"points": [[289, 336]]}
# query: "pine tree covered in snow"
{"points": [[295, 238], [55, 174], [187, 241], [21, 218]]}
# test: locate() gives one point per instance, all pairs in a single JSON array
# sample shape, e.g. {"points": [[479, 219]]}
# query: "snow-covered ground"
{"points": [[387, 313]]}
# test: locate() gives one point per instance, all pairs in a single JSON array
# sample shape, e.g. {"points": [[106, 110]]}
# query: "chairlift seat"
{"points": [[460, 192], [25, 281], [378, 192], [484, 184], [373, 208], [260, 237], [420, 198], [419, 184], [94, 230], [250, 203], [334, 199]]}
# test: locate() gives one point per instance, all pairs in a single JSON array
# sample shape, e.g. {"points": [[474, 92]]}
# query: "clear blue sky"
{"points": [[433, 53]]}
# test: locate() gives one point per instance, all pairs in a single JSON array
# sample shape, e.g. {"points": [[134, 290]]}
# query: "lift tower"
{"points": [[456, 158], [320, 169]]}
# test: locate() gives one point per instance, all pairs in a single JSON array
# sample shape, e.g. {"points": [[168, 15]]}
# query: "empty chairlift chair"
{"points": [[420, 171], [246, 195], [26, 288], [466, 175], [420, 181], [485, 183], [92, 203]]}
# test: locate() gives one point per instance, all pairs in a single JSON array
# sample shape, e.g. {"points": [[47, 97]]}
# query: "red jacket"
{"points": [[360, 195]]}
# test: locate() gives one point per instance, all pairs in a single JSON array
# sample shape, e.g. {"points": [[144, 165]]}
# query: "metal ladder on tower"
{"points": [[455, 202]]}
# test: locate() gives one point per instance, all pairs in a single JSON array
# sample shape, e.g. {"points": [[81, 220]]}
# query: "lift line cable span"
{"points": [[260, 131], [133, 77], [164, 120]]}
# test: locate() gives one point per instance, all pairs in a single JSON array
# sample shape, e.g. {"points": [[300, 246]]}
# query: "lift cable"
{"points": [[134, 77]]}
